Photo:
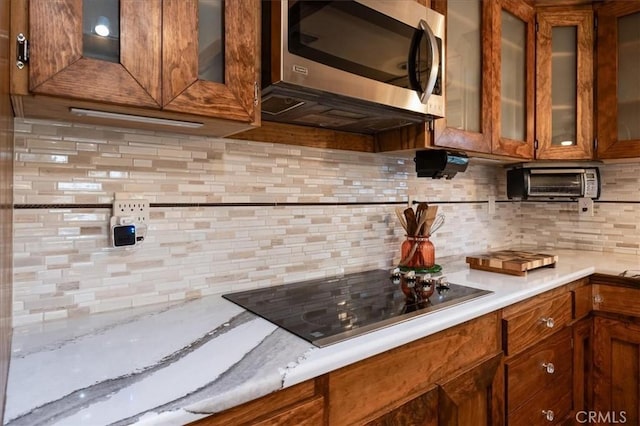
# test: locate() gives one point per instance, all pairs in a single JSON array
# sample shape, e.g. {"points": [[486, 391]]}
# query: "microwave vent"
{"points": [[276, 105], [324, 120]]}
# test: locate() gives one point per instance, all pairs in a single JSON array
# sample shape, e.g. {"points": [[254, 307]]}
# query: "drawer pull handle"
{"points": [[549, 367], [548, 322], [549, 415]]}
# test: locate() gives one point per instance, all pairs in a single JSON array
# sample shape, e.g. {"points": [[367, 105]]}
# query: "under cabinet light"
{"points": [[134, 118]]}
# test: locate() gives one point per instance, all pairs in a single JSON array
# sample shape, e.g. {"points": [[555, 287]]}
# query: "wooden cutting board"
{"points": [[512, 262]]}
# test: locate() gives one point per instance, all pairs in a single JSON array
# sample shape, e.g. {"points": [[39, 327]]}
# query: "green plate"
{"points": [[432, 270]]}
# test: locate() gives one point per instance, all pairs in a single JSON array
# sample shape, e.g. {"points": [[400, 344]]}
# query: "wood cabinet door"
{"points": [[474, 397], [186, 86], [513, 65], [61, 66], [564, 84], [618, 94], [582, 365], [468, 82], [616, 360]]}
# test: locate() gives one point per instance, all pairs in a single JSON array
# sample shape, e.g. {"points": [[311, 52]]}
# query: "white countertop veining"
{"points": [[174, 363]]}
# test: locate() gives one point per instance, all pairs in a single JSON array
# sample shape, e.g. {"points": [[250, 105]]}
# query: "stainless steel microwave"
{"points": [[553, 182], [353, 65]]}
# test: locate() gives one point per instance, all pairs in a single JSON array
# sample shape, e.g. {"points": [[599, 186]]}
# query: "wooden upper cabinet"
{"points": [[467, 125], [193, 63], [490, 78], [564, 80], [210, 58], [618, 91], [513, 56], [69, 59]]}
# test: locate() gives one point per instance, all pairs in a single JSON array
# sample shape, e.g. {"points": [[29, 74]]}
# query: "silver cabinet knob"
{"points": [[549, 415], [549, 367], [548, 322]]}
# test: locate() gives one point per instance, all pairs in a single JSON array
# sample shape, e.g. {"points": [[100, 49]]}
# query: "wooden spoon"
{"points": [[432, 211], [411, 221], [420, 215], [402, 219]]}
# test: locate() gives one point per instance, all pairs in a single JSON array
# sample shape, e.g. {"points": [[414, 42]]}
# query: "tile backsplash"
{"points": [[230, 215], [225, 215], [614, 226]]}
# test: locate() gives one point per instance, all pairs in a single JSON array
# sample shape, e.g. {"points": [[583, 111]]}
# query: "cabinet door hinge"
{"points": [[256, 93], [537, 27], [22, 51]]}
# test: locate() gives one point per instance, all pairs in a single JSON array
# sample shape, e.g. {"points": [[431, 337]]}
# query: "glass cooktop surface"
{"points": [[330, 310]]}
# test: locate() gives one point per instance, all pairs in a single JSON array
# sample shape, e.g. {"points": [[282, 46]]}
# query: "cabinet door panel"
{"points": [[610, 108], [235, 99], [474, 397], [513, 63], [58, 68], [422, 411], [563, 117], [616, 359], [468, 83]]}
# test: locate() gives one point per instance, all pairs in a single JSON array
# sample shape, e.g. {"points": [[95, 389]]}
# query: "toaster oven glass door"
{"points": [[352, 37], [559, 184]]}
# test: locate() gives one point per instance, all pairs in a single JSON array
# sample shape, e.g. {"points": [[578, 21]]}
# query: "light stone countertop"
{"points": [[175, 363]]}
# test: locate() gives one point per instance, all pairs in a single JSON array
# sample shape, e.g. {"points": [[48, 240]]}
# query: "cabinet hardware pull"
{"points": [[549, 367], [549, 322], [549, 415], [22, 51], [598, 299]]}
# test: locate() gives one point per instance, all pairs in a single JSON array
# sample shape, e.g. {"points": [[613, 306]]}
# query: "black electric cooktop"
{"points": [[330, 310]]}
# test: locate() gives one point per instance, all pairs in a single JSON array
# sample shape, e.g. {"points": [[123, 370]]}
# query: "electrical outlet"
{"points": [[136, 209], [585, 207], [491, 204]]}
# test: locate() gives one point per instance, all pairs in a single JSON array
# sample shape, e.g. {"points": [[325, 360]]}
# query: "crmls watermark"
{"points": [[599, 417]]}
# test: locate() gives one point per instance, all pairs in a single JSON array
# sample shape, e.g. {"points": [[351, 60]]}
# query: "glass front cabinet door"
{"points": [[513, 75], [618, 87], [186, 57], [97, 50], [564, 79]]}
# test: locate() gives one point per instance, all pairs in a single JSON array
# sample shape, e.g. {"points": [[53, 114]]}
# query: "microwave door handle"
{"points": [[423, 31]]}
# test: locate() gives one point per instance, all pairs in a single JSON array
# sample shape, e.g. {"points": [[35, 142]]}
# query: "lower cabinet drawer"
{"points": [[539, 319], [550, 405], [542, 367]]}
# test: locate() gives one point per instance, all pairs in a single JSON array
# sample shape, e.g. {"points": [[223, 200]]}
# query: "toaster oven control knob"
{"points": [[549, 367]]}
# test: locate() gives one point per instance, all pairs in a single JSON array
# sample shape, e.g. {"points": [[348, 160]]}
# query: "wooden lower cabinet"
{"points": [[616, 359], [473, 397], [544, 366], [373, 388]]}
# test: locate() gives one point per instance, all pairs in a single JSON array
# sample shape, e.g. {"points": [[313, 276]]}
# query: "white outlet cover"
{"points": [[135, 208], [585, 206]]}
